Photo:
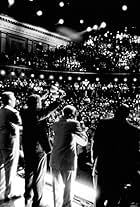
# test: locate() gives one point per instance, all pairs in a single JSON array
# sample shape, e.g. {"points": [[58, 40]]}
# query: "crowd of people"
{"points": [[74, 117], [94, 102], [100, 52]]}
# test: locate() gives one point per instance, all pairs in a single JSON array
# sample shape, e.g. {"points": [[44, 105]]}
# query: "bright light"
{"points": [[61, 21], [89, 193], [124, 7], [81, 21], [115, 79], [61, 4], [41, 76], [79, 78], [2, 72], [39, 13], [32, 75], [51, 77], [125, 79], [103, 25], [97, 79], [95, 27], [12, 73], [22, 74], [89, 29], [134, 79], [60, 77], [11, 2], [69, 78]]}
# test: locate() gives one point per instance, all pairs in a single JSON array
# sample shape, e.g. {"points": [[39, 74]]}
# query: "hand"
{"points": [[62, 93]]}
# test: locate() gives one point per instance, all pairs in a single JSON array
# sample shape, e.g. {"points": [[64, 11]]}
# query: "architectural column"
{"points": [[3, 42], [30, 45]]}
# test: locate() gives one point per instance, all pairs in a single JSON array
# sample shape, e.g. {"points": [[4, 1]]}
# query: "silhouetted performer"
{"points": [[36, 146], [115, 153]]}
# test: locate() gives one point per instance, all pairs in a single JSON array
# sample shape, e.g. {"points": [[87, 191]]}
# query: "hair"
{"points": [[34, 101], [122, 110], [6, 96], [69, 111]]}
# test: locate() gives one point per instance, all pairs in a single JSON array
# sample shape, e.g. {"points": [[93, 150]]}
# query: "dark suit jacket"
{"points": [[35, 138], [115, 148], [8, 135]]}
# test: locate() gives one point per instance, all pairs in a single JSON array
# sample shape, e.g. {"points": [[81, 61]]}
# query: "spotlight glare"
{"points": [[115, 79], [12, 73], [89, 29], [60, 77], [22, 74], [134, 79], [95, 27], [32, 75], [61, 21], [124, 7], [2, 72], [41, 76], [103, 25], [81, 21], [51, 77], [69, 78], [97, 79], [39, 13], [61, 4], [79, 78]]}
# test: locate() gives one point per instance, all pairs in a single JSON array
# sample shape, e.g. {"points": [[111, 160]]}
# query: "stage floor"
{"points": [[83, 192]]}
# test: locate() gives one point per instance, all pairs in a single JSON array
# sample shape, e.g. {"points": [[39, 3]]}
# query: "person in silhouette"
{"points": [[114, 156], [36, 146], [10, 125]]}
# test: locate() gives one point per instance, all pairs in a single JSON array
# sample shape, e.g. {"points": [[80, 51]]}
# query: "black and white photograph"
{"points": [[69, 103]]}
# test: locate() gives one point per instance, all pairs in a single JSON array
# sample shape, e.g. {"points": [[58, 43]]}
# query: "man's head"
{"points": [[122, 111], [34, 101], [69, 111], [8, 98]]}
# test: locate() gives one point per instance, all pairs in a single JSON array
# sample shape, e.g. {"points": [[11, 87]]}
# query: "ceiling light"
{"points": [[61, 4], [39, 13], [61, 21], [81, 21]]}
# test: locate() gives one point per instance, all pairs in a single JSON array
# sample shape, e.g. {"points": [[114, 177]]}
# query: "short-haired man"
{"points": [[63, 160], [10, 123]]}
